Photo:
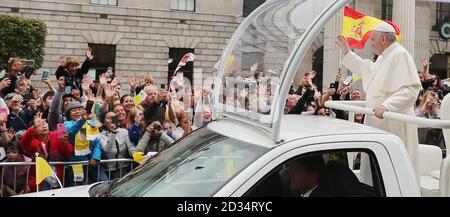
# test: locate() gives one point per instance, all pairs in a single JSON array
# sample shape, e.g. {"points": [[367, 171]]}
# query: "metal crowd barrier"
{"points": [[70, 163]]}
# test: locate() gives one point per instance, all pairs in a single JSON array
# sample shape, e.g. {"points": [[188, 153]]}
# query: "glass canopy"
{"points": [[262, 57]]}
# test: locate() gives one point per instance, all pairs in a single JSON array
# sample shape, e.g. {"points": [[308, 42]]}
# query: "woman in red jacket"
{"points": [[38, 139]]}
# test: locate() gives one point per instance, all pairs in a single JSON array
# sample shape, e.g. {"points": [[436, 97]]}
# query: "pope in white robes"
{"points": [[391, 84]]}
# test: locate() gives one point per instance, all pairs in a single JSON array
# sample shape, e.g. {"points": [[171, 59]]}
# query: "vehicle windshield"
{"points": [[197, 166], [255, 61]]}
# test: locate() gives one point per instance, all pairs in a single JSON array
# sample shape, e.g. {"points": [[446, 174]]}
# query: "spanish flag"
{"points": [[357, 27]]}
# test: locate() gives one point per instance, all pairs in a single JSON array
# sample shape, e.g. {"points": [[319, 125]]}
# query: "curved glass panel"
{"points": [[251, 69]]}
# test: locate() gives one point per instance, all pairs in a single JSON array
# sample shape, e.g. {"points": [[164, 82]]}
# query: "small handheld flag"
{"points": [[189, 57]]}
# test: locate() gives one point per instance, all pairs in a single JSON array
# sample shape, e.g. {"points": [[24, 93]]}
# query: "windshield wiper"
{"points": [[102, 189]]}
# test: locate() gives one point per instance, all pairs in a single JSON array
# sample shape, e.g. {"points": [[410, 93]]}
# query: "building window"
{"points": [[175, 55], [104, 2], [104, 57], [251, 5], [442, 13], [386, 11], [182, 5]]}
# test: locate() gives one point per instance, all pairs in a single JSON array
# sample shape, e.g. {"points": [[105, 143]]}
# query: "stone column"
{"points": [[331, 50], [422, 32], [403, 14]]}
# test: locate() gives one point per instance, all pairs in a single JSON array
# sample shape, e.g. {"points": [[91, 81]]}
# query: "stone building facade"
{"points": [[141, 31]]}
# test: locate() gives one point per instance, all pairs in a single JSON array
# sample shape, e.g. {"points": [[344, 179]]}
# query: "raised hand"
{"points": [[132, 82], [342, 43], [103, 79], [38, 121], [115, 81], [32, 104], [253, 68], [88, 80], [46, 81], [17, 98], [141, 80], [8, 135], [62, 61], [150, 128], [5, 83], [109, 91], [85, 83]]}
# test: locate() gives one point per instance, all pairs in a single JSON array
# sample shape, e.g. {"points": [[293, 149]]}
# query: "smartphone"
{"points": [[115, 120], [27, 97], [27, 62], [333, 85], [348, 80], [60, 129], [45, 74], [68, 81], [89, 105], [143, 95]]}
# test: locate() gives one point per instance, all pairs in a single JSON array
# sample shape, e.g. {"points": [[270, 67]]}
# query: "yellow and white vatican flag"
{"points": [[43, 170]]}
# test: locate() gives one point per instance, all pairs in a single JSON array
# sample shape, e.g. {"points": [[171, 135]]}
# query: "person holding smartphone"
{"points": [[39, 139]]}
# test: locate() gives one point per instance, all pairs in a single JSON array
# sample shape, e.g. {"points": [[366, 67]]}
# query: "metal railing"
{"points": [[4, 165], [354, 107]]}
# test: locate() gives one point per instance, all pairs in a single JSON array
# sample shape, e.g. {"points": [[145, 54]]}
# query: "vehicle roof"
{"points": [[293, 127]]}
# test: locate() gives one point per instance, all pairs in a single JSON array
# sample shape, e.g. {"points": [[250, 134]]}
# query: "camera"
{"points": [[28, 71], [157, 127]]}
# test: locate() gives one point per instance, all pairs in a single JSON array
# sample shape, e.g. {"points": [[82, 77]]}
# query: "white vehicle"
{"points": [[246, 150]]}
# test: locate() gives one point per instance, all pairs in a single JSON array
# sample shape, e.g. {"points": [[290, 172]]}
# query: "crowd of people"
{"points": [[81, 120]]}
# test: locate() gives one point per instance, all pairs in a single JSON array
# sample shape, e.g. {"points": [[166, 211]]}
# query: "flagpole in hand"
{"points": [[37, 185]]}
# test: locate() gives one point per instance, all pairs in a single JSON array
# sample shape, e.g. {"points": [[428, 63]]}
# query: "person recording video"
{"points": [[8, 82]]}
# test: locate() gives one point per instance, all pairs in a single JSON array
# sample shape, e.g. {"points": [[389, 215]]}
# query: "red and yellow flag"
{"points": [[357, 27]]}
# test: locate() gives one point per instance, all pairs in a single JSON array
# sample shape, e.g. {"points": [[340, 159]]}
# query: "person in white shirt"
{"points": [[391, 84]]}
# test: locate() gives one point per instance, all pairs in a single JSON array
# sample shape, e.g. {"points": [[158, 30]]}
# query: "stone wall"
{"points": [[143, 37]]}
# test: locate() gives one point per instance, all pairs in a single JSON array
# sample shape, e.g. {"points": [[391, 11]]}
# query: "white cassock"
{"points": [[392, 81]]}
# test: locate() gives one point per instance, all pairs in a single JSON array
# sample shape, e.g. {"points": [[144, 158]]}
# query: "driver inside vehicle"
{"points": [[306, 177]]}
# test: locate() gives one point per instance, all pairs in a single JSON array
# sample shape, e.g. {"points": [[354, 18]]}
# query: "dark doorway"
{"points": [[439, 65], [104, 57], [318, 67]]}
